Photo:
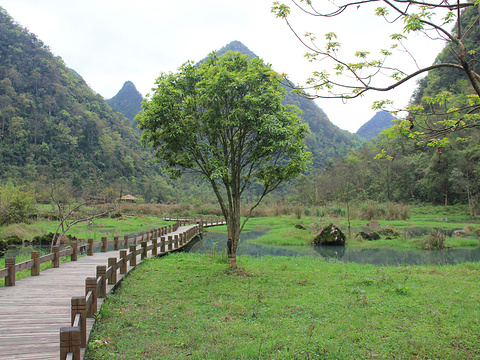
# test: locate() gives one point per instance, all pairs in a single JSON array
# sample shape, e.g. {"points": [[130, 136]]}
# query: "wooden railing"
{"points": [[74, 337], [206, 222], [34, 264]]}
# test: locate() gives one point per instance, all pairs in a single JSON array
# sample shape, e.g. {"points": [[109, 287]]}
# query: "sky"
{"points": [[109, 42]]}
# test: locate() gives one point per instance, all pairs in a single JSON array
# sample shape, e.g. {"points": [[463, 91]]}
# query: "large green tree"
{"points": [[224, 121]]}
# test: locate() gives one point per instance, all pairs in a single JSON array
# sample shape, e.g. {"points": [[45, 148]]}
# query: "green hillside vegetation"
{"points": [[52, 124], [56, 132], [380, 121], [128, 101]]}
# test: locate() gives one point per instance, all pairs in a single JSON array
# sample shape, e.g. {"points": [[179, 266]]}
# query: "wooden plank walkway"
{"points": [[33, 311]]}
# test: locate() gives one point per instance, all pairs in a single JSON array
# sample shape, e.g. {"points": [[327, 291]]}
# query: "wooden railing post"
{"points": [[133, 260], [70, 342], [10, 265], [115, 245], [91, 285], [170, 242], [35, 270], [123, 268], [162, 244], [176, 241], [90, 247], [112, 262], [125, 239], [79, 307], [104, 244], [74, 255], [155, 244], [143, 256], [101, 271], [56, 259]]}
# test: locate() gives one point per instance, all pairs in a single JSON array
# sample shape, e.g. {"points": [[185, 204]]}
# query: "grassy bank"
{"points": [[189, 305], [94, 229]]}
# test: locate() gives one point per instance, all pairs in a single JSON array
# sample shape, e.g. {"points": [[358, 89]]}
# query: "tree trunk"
{"points": [[233, 226], [232, 252]]}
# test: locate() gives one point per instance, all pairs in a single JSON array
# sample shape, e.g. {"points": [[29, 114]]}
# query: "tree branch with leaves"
{"points": [[352, 75]]}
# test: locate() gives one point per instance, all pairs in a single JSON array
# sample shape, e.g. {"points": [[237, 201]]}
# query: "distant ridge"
{"points": [[380, 121], [128, 101]]}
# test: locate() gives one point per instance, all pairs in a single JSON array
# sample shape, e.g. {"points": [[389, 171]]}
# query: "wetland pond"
{"points": [[375, 256]]}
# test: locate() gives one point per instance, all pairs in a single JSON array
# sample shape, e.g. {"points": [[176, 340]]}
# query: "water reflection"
{"points": [[363, 256]]}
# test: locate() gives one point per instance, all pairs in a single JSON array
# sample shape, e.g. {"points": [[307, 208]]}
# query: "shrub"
{"points": [[434, 241], [387, 211], [389, 231]]}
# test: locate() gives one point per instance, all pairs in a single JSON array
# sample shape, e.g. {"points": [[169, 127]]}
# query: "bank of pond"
{"points": [[447, 240]]}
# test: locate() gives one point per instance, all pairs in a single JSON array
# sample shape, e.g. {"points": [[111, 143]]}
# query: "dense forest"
{"points": [[56, 132]]}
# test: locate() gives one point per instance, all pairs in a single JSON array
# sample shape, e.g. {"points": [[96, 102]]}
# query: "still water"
{"points": [[347, 254]]}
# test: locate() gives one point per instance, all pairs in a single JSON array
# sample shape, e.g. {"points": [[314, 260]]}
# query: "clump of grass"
{"points": [[388, 230], [434, 241], [386, 211]]}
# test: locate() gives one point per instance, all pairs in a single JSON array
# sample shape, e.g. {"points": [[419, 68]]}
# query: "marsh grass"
{"points": [[185, 305]]}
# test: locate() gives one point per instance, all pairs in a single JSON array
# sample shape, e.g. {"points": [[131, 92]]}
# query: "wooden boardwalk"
{"points": [[33, 311]]}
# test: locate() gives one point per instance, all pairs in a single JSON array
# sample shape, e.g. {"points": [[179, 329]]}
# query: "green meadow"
{"points": [[192, 306]]}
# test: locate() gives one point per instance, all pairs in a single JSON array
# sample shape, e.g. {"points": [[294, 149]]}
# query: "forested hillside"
{"points": [[421, 174], [56, 132], [380, 121]]}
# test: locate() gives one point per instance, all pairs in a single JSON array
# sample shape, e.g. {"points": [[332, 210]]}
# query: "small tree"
{"points": [[349, 77], [224, 121], [16, 203]]}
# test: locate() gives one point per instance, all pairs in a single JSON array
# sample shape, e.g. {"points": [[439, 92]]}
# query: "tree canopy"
{"points": [[224, 121]]}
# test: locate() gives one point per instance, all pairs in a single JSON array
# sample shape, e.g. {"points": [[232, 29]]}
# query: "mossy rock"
{"points": [[389, 231], [330, 236], [13, 240], [44, 239], [368, 236]]}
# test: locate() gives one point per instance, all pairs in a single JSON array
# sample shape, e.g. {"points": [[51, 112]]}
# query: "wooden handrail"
{"points": [[73, 252], [153, 242], [83, 307]]}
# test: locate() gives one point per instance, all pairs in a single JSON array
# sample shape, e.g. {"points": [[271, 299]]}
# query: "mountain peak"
{"points": [[380, 121], [128, 100], [236, 45]]}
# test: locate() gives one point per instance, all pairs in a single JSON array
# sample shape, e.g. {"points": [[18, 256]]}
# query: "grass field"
{"points": [[191, 305]]}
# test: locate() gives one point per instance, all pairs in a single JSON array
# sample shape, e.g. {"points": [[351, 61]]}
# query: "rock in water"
{"points": [[330, 235]]}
